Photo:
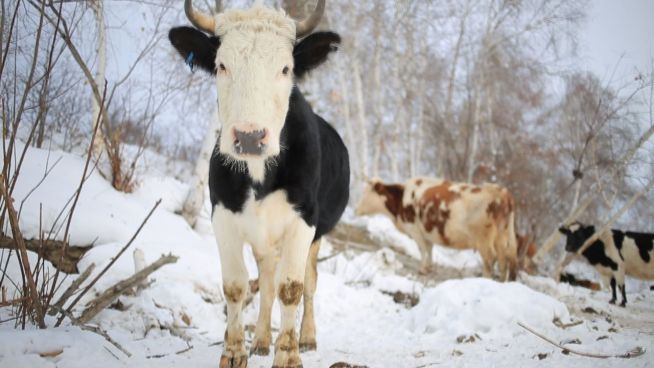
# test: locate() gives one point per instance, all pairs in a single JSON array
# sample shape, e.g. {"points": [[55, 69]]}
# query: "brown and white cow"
{"points": [[456, 215]]}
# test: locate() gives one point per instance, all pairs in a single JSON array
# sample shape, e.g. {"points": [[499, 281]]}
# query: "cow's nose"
{"points": [[251, 142]]}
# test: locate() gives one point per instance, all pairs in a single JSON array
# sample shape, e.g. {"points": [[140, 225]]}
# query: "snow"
{"points": [[179, 320], [484, 307]]}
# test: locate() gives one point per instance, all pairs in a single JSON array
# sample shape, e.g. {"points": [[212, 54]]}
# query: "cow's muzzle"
{"points": [[249, 143]]}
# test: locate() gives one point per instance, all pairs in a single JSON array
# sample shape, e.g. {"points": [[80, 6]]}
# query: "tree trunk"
{"points": [[195, 198], [101, 51], [361, 117]]}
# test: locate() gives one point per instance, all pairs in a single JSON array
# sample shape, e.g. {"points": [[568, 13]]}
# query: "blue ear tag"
{"points": [[189, 60]]}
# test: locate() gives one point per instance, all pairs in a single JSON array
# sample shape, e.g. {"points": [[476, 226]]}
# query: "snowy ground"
{"points": [[179, 320]]}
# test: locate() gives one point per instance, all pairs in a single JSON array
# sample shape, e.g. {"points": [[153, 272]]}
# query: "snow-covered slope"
{"points": [[179, 320]]}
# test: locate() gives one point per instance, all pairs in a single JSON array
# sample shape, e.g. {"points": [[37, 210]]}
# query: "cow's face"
{"points": [[372, 200], [254, 67], [255, 58], [576, 234]]}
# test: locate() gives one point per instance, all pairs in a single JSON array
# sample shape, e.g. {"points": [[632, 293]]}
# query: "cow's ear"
{"points": [[312, 51], [187, 40], [564, 231]]}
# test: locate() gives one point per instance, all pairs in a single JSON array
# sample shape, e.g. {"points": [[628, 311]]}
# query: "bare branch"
{"points": [[104, 300]]}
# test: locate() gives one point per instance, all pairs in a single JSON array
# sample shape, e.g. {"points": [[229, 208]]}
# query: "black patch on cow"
{"points": [[187, 40], [618, 238], [313, 50], [313, 170], [595, 253], [644, 242]]}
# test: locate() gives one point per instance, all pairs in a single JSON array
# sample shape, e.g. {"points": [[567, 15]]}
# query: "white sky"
{"points": [[618, 33]]}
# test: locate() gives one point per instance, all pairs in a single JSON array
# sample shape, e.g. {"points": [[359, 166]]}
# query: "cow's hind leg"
{"points": [[620, 282], [262, 334], [488, 259], [613, 291], [308, 329], [289, 283]]}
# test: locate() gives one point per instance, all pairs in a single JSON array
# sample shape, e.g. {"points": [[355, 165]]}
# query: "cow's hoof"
{"points": [[240, 361], [424, 270], [287, 359], [299, 365], [612, 301], [623, 304], [308, 346], [259, 350]]}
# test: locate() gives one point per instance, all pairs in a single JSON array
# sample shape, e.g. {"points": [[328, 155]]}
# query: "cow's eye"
{"points": [[285, 70], [221, 67]]}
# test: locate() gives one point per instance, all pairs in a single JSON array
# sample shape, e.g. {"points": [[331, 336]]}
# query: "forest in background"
{"points": [[477, 91]]}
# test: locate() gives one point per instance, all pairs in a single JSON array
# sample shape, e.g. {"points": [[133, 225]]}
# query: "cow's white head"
{"points": [[255, 58]]}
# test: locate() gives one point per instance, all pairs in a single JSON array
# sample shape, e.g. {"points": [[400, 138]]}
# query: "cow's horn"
{"points": [[304, 27], [200, 20]]}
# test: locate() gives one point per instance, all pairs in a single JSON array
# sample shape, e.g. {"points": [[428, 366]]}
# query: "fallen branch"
{"points": [[56, 307], [633, 353], [53, 251], [104, 270], [109, 295]]}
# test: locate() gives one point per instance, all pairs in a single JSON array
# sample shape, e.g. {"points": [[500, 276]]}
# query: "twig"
{"points": [[71, 290], [188, 347], [70, 307], [106, 336], [111, 352], [108, 296], [633, 353], [557, 322], [78, 192], [15, 228]]}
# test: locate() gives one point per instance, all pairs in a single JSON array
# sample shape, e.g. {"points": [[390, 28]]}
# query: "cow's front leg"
{"points": [[262, 335], [308, 329], [235, 284], [289, 283]]}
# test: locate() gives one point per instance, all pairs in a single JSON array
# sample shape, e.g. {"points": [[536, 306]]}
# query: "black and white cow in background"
{"points": [[614, 254], [279, 176]]}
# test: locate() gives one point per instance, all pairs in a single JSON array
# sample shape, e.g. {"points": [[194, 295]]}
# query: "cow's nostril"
{"points": [[249, 142]]}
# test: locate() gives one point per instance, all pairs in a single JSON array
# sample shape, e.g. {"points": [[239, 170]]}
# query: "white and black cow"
{"points": [[614, 254], [279, 176]]}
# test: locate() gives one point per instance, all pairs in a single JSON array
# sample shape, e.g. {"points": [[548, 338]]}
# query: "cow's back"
{"points": [[459, 215], [638, 254], [333, 192]]}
